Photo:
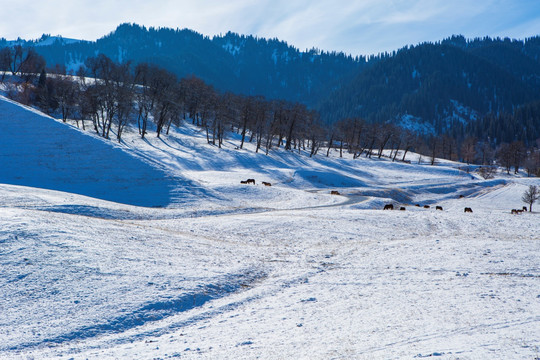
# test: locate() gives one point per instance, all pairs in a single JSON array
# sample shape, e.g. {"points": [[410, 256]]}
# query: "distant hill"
{"points": [[241, 64], [442, 85]]}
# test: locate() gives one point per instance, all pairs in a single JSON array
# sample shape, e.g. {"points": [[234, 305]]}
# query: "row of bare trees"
{"points": [[21, 61], [111, 95]]}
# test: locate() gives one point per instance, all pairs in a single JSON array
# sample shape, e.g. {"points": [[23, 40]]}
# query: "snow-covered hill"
{"points": [[233, 271], [39, 151]]}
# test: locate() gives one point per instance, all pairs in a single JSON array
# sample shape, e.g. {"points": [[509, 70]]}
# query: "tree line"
{"points": [[109, 96]]}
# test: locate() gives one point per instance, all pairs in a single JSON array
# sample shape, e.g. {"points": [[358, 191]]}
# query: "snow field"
{"points": [[232, 271]]}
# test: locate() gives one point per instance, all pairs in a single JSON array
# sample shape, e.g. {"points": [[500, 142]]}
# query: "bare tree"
{"points": [[145, 94], [316, 134], [66, 95], [275, 127], [530, 196], [90, 106], [226, 114], [23, 61], [468, 149], [385, 133], [262, 120], [207, 108], [124, 97], [434, 143], [165, 106], [5, 61], [505, 156], [246, 113], [518, 154], [484, 152], [409, 142], [111, 96], [295, 113], [102, 70], [532, 162], [448, 147], [193, 87], [487, 172]]}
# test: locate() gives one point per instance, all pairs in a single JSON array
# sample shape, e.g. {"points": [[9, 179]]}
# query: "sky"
{"points": [[357, 27]]}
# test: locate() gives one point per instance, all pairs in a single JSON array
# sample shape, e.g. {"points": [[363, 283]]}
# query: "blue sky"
{"points": [[358, 27]]}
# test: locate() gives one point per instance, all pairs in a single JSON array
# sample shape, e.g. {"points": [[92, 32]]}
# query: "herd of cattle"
{"points": [[402, 208], [252, 181], [467, 209], [391, 206]]}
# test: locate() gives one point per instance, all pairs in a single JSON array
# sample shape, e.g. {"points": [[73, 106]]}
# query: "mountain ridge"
{"points": [[443, 85]]}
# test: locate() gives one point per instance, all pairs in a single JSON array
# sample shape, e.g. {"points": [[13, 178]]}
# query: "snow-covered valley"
{"points": [[153, 249]]}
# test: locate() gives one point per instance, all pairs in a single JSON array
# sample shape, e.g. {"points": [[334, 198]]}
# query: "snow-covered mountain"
{"points": [[239, 271], [446, 85], [44, 40]]}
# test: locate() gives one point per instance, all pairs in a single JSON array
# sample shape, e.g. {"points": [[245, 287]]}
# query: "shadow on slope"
{"points": [[38, 151], [326, 179], [157, 310]]}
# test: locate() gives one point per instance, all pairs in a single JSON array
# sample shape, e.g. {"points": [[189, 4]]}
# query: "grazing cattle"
{"points": [[468, 209], [418, 205], [402, 208], [524, 208], [334, 192], [251, 181], [438, 207], [388, 207], [461, 196], [266, 183], [243, 181], [514, 211], [426, 206]]}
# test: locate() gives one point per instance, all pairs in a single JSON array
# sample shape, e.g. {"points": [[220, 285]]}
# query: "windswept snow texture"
{"points": [[38, 151], [235, 271]]}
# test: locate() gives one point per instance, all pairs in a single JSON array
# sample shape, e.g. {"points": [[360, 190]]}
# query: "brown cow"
{"points": [[468, 209], [388, 207], [266, 183], [418, 205], [251, 181], [402, 208], [514, 211], [461, 196], [334, 192], [524, 208], [438, 207], [426, 206], [243, 181]]}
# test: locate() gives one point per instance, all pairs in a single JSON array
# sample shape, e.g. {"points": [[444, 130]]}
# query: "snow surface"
{"points": [[152, 249]]}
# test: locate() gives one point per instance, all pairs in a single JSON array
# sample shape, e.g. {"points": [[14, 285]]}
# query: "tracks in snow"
{"points": [[154, 311]]}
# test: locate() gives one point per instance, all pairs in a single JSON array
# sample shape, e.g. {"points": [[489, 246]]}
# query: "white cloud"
{"points": [[357, 27]]}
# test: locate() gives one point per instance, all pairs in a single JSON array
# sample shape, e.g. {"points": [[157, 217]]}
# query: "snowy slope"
{"points": [[233, 271], [39, 151]]}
